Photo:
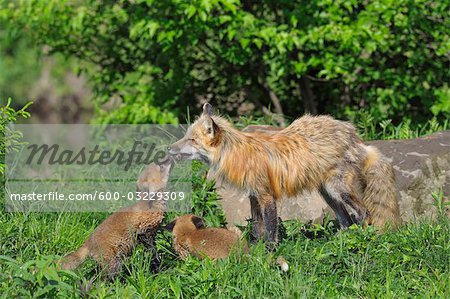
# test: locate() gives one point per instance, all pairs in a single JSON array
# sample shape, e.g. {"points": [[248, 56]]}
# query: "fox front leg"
{"points": [[258, 229], [271, 223], [270, 219]]}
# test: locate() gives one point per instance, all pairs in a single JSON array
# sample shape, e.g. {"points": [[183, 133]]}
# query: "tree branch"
{"points": [[276, 104], [308, 97]]}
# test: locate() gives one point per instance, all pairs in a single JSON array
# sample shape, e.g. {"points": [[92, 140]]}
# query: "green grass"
{"points": [[386, 130], [357, 263]]}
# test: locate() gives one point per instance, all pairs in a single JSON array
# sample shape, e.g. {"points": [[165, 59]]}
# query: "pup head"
{"points": [[185, 223], [200, 139], [156, 175]]}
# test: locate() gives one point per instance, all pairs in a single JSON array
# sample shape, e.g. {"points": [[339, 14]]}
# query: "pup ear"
{"points": [[170, 226], [198, 222], [207, 109], [140, 187]]}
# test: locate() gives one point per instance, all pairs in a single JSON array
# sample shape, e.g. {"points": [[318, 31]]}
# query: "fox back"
{"points": [[297, 157]]}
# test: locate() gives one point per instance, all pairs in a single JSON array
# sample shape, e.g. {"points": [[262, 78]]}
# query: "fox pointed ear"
{"points": [[210, 126], [207, 109], [170, 226], [198, 222]]}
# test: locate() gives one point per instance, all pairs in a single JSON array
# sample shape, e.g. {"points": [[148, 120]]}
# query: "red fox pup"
{"points": [[314, 152], [191, 237], [116, 237]]}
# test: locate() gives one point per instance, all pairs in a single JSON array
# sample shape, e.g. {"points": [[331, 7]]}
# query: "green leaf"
{"points": [[244, 42], [231, 33], [190, 11]]}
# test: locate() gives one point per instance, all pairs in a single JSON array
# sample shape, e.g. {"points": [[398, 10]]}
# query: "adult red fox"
{"points": [[314, 152], [116, 237]]}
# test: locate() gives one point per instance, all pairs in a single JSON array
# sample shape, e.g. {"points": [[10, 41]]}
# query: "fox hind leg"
{"points": [[112, 267], [339, 210], [149, 241], [344, 202]]}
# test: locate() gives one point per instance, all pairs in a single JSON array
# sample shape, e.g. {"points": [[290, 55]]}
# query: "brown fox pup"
{"points": [[314, 152], [191, 237], [116, 237]]}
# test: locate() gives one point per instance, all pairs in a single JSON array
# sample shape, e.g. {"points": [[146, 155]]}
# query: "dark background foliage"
{"points": [[148, 60]]}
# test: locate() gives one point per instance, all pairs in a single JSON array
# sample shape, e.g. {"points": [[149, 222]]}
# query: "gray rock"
{"points": [[422, 168]]}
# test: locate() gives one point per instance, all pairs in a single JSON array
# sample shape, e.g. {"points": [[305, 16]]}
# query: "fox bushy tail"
{"points": [[74, 259], [380, 194]]}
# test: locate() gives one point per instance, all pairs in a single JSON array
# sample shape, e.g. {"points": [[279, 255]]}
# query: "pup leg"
{"points": [[345, 203], [257, 219], [113, 267], [149, 242]]}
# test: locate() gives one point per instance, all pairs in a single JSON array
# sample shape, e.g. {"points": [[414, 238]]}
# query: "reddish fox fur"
{"points": [[192, 237], [314, 152], [116, 237]]}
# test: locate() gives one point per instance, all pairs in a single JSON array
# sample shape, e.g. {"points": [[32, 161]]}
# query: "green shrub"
{"points": [[10, 138], [157, 57]]}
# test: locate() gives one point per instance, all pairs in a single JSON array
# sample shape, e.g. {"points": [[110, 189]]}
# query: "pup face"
{"points": [[156, 175], [200, 139], [187, 222]]}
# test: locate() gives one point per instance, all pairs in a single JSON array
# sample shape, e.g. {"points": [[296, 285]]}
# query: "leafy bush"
{"points": [[26, 72], [157, 57], [19, 64], [10, 138], [36, 278]]}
